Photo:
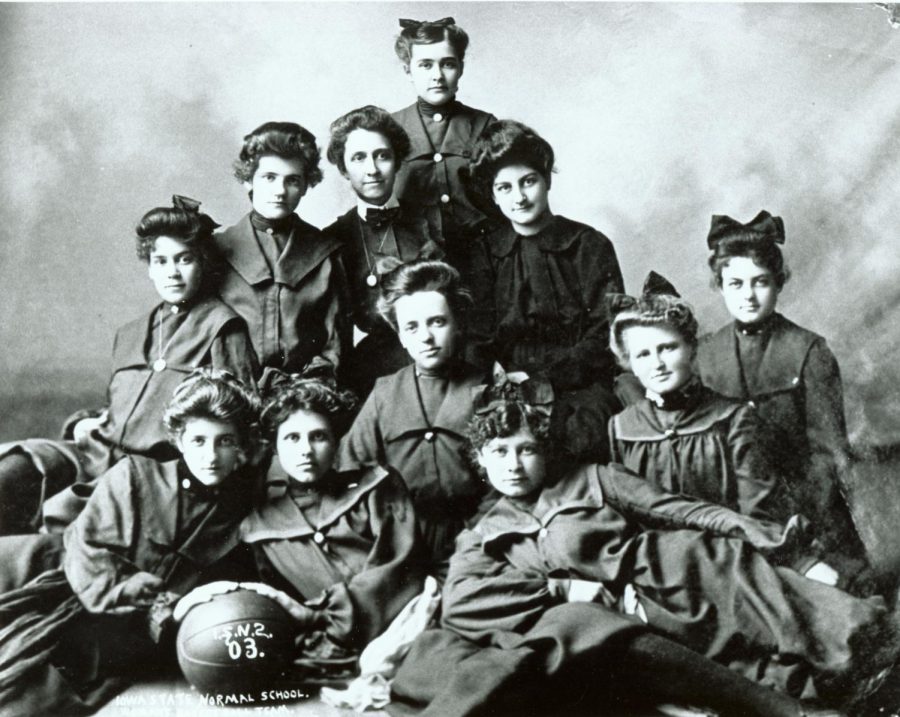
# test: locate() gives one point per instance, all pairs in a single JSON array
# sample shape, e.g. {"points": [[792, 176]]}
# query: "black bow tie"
{"points": [[380, 218]]}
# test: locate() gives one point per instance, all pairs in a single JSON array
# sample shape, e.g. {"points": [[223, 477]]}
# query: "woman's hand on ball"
{"points": [[202, 594], [300, 612]]}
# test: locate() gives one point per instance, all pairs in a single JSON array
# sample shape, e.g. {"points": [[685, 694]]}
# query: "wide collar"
{"points": [[401, 414], [159, 485], [185, 349], [556, 237], [781, 366], [279, 518], [463, 127], [640, 422], [578, 490], [306, 249]]}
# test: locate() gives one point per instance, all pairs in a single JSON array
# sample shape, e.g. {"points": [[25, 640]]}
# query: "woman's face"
{"points": [[434, 71], [521, 193], [306, 446], [514, 464], [750, 291], [174, 270], [426, 328], [278, 185], [211, 449], [659, 356], [370, 165]]}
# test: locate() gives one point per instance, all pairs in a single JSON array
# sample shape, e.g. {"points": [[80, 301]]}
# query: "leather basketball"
{"points": [[238, 641]]}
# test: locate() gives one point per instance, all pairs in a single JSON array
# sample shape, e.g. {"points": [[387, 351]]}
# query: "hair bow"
{"points": [[273, 378], [407, 24], [516, 386], [185, 203], [764, 224], [654, 285]]}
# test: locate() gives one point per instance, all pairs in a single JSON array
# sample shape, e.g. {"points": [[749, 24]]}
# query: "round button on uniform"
{"points": [[438, 157], [543, 532], [185, 484], [318, 538], [429, 436], [438, 117], [445, 198]]}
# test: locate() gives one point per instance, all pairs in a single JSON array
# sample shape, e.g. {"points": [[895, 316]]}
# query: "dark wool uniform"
{"points": [[347, 547], [369, 249], [698, 443], [699, 572], [417, 425], [151, 356], [432, 174], [283, 280], [540, 307], [790, 375], [74, 637]]}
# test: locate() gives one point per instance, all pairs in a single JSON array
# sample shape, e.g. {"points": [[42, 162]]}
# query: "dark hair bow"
{"points": [[764, 224], [654, 285], [273, 379], [516, 386], [407, 24], [186, 204]]}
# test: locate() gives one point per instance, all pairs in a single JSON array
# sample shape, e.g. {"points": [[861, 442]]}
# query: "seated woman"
{"points": [[151, 531], [787, 372], [683, 437], [414, 420], [701, 577], [339, 550], [540, 284], [151, 356]]}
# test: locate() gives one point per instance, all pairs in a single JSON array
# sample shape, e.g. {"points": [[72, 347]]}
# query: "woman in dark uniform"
{"points": [[788, 373], [192, 327], [415, 419], [572, 591], [540, 285], [442, 130]]}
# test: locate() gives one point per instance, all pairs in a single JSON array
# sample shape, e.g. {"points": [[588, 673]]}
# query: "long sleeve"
{"points": [[826, 429], [232, 350], [483, 595], [99, 554], [652, 507], [758, 485], [356, 612], [362, 446], [590, 358]]}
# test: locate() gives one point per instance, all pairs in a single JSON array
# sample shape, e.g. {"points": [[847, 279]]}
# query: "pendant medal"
{"points": [[372, 280], [159, 364]]}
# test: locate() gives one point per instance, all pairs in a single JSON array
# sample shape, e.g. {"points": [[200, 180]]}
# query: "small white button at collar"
{"points": [[445, 198], [438, 157], [185, 483], [438, 117], [318, 537]]}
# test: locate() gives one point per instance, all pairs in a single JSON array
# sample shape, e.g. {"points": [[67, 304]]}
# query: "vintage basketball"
{"points": [[238, 641]]}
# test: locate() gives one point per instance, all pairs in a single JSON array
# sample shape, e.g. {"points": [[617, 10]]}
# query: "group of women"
{"points": [[449, 381]]}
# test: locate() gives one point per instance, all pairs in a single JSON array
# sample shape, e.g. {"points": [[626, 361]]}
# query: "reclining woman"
{"points": [[676, 591], [190, 328]]}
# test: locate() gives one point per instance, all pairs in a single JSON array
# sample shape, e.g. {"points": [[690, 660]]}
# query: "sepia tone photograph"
{"points": [[449, 359]]}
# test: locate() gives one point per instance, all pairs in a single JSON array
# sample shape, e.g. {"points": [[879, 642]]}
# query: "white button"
{"points": [[438, 157], [270, 231], [159, 365], [671, 433], [175, 309], [318, 538], [795, 380], [438, 117], [543, 532], [429, 436], [752, 404], [445, 198], [185, 484]]}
